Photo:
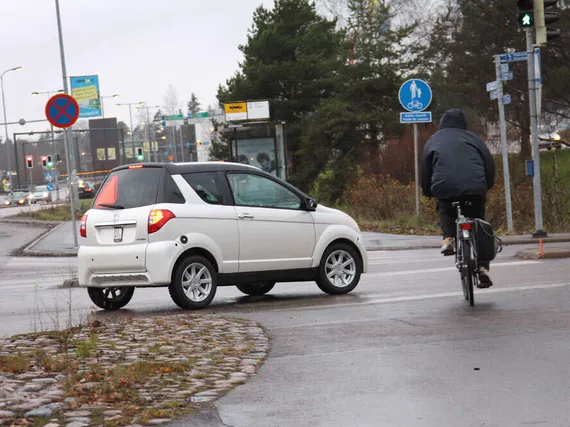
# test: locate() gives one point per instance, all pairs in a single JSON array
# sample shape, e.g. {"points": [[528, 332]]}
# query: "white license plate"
{"points": [[118, 234]]}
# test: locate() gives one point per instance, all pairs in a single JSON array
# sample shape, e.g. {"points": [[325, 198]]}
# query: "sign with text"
{"points": [[85, 90]]}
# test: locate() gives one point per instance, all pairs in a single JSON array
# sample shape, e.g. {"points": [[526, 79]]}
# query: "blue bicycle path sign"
{"points": [[415, 95]]}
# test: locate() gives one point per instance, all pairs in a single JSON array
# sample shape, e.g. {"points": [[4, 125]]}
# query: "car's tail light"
{"points": [[83, 226], [157, 218], [466, 226]]}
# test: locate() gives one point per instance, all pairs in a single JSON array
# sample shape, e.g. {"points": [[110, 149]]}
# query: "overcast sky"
{"points": [[137, 47]]}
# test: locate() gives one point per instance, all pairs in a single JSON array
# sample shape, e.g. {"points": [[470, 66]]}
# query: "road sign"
{"points": [[415, 95], [48, 177], [494, 94], [173, 117], [507, 99], [188, 144], [169, 145], [491, 86], [62, 110], [505, 68], [198, 115], [205, 142], [419, 117], [513, 57], [50, 187], [507, 76]]}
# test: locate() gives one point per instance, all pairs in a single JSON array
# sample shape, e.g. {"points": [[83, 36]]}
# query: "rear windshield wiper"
{"points": [[106, 205]]}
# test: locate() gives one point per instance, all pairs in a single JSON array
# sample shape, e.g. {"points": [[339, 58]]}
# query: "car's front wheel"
{"points": [[258, 288], [194, 283], [339, 270], [111, 298]]}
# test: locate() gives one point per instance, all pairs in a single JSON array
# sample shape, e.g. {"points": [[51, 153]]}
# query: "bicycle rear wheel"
{"points": [[468, 272]]}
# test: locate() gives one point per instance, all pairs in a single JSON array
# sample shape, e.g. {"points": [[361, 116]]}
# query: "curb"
{"points": [[26, 250], [551, 253]]}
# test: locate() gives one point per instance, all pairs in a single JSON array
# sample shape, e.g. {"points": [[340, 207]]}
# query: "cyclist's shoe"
{"points": [[448, 246], [484, 278]]}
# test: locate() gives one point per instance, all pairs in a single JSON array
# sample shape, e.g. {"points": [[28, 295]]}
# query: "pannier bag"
{"points": [[487, 243]]}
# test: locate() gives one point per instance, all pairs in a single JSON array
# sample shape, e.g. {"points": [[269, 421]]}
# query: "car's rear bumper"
{"points": [[108, 266]]}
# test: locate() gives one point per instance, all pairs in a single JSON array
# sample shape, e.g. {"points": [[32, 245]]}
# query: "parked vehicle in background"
{"points": [[193, 227], [86, 190], [41, 194], [15, 199]]}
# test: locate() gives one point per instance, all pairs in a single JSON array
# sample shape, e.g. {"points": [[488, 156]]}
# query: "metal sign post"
{"points": [[504, 145], [415, 95]]}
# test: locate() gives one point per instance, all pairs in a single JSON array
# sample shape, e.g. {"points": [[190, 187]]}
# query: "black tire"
{"points": [[255, 289], [178, 292], [111, 298], [325, 284], [469, 273]]}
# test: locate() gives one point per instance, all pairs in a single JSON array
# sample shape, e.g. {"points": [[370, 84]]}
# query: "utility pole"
{"points": [[534, 136], [71, 176]]}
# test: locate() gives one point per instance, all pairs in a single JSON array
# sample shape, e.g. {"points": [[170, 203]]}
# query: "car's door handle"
{"points": [[245, 216]]}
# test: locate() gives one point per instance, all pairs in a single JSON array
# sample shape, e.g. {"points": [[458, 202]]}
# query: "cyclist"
{"points": [[457, 166]]}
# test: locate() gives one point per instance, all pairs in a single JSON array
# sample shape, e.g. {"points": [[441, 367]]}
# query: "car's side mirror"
{"points": [[311, 204]]}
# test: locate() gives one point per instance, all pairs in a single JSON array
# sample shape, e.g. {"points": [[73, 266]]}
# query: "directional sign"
{"points": [[420, 117], [173, 117], [62, 110], [507, 76], [491, 86], [507, 99], [505, 68], [513, 57], [198, 115], [494, 94], [415, 95]]}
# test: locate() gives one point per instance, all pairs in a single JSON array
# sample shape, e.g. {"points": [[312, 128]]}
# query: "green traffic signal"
{"points": [[140, 157], [526, 19]]}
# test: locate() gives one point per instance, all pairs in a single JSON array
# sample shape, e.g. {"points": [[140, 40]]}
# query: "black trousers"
{"points": [[448, 214]]}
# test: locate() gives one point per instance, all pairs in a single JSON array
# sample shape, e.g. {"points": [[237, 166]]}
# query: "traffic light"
{"points": [[44, 161], [29, 161], [198, 143], [140, 155], [546, 14], [49, 161], [526, 13], [58, 158]]}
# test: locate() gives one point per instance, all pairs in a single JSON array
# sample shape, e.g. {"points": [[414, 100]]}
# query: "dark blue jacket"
{"points": [[456, 162]]}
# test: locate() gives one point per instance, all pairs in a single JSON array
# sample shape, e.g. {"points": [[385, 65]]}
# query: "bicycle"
{"points": [[466, 254], [415, 104]]}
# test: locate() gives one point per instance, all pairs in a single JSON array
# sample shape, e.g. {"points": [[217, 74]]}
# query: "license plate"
{"points": [[118, 234]]}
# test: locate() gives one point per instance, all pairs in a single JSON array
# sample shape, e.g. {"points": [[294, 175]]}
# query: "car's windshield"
{"points": [[129, 188]]}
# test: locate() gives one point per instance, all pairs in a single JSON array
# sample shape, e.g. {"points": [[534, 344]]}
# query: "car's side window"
{"points": [[206, 185], [172, 193], [255, 190]]}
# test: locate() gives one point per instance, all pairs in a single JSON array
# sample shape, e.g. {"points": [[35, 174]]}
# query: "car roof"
{"points": [[181, 168]]}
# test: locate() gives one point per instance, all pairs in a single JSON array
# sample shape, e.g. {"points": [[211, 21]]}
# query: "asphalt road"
{"points": [[404, 349]]}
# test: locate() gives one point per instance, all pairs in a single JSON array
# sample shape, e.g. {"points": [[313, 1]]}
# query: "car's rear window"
{"points": [[129, 188]]}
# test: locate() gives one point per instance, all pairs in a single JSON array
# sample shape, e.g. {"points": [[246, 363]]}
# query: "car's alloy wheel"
{"points": [[111, 298], [194, 283], [340, 269], [257, 288]]}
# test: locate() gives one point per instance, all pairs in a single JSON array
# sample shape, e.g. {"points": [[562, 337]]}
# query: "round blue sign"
{"points": [[415, 95]]}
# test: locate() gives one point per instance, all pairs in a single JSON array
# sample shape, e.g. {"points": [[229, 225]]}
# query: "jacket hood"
{"points": [[453, 119]]}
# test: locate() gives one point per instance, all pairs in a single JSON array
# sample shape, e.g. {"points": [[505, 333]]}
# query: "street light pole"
{"points": [[8, 148], [130, 104], [115, 95], [65, 133]]}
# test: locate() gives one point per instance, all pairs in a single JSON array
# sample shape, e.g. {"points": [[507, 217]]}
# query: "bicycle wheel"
{"points": [[461, 265], [469, 272]]}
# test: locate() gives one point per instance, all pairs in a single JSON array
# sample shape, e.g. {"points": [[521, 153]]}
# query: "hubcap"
{"points": [[340, 268], [113, 294], [197, 282]]}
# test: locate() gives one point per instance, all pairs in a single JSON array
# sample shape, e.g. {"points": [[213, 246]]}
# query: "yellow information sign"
{"points": [[84, 93], [236, 111]]}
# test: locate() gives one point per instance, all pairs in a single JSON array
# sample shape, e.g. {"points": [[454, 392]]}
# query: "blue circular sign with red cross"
{"points": [[62, 110]]}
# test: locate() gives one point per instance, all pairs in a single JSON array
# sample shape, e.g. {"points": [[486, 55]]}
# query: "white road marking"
{"points": [[442, 269], [368, 301]]}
